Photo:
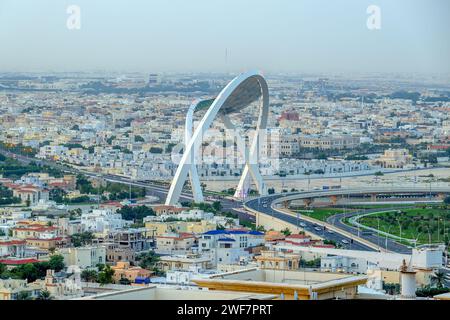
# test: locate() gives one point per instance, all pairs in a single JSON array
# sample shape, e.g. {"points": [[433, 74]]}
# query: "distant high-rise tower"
{"points": [[153, 79]]}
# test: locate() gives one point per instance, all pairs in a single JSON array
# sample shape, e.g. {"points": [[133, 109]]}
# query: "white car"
{"points": [[345, 241], [302, 224]]}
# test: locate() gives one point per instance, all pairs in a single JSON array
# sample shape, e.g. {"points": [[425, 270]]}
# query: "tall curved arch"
{"points": [[193, 175], [239, 93]]}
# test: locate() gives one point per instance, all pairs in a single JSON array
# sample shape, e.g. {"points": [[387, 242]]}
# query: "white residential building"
{"points": [[229, 246], [84, 257], [343, 264], [102, 220]]}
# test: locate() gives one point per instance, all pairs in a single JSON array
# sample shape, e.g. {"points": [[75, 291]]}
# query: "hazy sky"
{"points": [[193, 35]]}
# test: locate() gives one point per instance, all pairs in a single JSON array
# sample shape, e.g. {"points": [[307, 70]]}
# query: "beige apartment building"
{"points": [[329, 142], [84, 257], [11, 288], [394, 158], [175, 243], [270, 259], [289, 145], [183, 262], [161, 228], [123, 270]]}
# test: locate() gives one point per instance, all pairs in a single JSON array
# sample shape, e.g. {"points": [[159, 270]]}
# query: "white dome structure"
{"points": [[243, 90]]}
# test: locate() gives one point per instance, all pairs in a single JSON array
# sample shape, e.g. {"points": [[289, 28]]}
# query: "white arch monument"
{"points": [[243, 90]]}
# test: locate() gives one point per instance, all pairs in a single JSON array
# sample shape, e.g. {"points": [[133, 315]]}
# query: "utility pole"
{"points": [[438, 227], [386, 243], [378, 231], [129, 192], [98, 193]]}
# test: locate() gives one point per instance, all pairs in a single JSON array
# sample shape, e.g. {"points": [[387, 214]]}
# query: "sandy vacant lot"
{"points": [[409, 178]]}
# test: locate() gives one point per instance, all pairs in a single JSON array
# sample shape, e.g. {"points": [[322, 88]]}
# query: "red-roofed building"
{"points": [[298, 238], [113, 205], [304, 240], [175, 243], [47, 244], [438, 147], [290, 116], [274, 236], [167, 209], [30, 194], [10, 247], [35, 231], [6, 182], [18, 262]]}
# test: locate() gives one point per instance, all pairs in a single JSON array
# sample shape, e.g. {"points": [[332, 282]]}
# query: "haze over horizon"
{"points": [[225, 36]]}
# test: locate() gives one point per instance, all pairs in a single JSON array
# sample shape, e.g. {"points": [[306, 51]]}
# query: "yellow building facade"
{"points": [[161, 228]]}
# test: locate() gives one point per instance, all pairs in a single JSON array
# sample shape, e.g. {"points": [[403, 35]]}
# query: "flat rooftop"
{"points": [[153, 292], [299, 284]]}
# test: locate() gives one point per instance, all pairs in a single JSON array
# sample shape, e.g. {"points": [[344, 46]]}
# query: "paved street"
{"points": [[263, 205], [382, 241]]}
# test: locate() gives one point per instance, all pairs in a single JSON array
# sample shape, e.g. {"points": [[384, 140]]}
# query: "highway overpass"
{"points": [[276, 207]]}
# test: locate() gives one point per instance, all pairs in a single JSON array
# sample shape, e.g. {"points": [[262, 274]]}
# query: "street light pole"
{"points": [[430, 189], [400, 226], [438, 228], [429, 235], [359, 228], [387, 236], [378, 231]]}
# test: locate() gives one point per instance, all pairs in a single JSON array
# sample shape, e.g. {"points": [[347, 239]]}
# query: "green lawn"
{"points": [[424, 224], [381, 206], [322, 213]]}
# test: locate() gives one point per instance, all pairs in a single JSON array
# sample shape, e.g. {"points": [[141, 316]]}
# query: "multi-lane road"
{"points": [[153, 189], [373, 237], [348, 236], [264, 205]]}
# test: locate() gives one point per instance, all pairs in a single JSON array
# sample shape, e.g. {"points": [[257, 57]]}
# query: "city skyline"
{"points": [[224, 150]]}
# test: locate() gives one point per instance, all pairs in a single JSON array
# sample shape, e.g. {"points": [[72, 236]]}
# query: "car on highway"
{"points": [[345, 241], [302, 224], [318, 229]]}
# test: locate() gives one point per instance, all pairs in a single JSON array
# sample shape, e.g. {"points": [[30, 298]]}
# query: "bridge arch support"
{"points": [[239, 93]]}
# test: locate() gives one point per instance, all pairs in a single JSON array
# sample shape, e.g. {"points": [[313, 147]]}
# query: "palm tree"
{"points": [[438, 279], [229, 222], [89, 275], [260, 229], [24, 295], [106, 275], [149, 261], [44, 295]]}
